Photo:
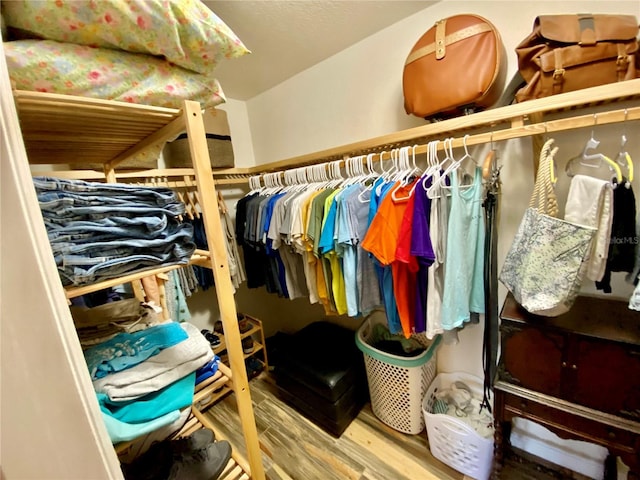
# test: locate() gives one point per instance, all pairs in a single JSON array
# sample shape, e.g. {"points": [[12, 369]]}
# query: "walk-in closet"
{"points": [[230, 250]]}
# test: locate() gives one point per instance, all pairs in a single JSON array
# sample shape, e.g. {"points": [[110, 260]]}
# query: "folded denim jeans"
{"points": [[100, 231], [153, 195], [71, 213], [83, 273], [124, 226], [180, 234]]}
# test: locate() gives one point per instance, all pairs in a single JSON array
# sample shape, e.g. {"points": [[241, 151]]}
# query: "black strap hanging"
{"points": [[491, 320]]}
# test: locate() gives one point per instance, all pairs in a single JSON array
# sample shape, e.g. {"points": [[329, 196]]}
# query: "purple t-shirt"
{"points": [[422, 249]]}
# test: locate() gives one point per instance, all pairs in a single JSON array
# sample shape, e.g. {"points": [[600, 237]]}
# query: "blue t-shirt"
{"points": [[385, 277]]}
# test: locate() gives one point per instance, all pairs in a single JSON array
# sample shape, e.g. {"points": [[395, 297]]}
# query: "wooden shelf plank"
{"points": [[58, 128], [72, 292]]}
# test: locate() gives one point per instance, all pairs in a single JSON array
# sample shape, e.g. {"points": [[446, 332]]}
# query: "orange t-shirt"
{"points": [[382, 240]]}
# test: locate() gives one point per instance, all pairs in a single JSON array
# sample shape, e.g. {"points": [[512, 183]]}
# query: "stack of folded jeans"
{"points": [[100, 231]]}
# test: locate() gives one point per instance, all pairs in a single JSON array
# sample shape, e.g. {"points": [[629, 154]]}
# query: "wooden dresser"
{"points": [[577, 374]]}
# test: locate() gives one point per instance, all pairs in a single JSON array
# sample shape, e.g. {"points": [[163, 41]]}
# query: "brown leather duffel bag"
{"points": [[569, 52], [456, 67]]}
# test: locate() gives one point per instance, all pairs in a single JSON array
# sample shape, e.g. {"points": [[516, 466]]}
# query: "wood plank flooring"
{"points": [[296, 449]]}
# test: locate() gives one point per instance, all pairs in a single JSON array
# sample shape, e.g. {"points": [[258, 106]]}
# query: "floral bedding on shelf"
{"points": [[66, 68], [153, 52]]}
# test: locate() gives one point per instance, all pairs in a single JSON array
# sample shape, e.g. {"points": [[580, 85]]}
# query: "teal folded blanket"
{"points": [[123, 432], [174, 396], [126, 350]]}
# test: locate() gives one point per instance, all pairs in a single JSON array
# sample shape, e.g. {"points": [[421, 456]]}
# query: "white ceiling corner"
{"points": [[289, 36]]}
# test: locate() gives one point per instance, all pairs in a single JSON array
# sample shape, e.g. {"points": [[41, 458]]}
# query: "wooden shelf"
{"points": [[78, 131], [258, 346], [223, 344], [69, 129], [200, 257], [511, 121]]}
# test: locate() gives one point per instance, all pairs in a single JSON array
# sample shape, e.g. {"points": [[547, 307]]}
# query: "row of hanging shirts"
{"points": [[409, 239]]}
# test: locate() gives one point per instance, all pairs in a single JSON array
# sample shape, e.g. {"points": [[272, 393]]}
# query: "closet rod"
{"points": [[541, 128], [124, 176]]}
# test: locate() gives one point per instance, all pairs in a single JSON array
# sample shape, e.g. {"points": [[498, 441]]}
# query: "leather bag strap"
{"points": [[448, 40], [587, 29], [440, 39]]}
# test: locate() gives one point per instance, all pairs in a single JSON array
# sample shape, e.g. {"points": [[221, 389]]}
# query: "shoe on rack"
{"points": [[218, 328], [204, 464], [212, 338], [247, 345], [196, 441], [254, 367], [244, 325]]}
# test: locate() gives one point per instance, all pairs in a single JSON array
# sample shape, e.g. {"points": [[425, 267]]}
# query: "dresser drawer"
{"points": [[569, 425]]}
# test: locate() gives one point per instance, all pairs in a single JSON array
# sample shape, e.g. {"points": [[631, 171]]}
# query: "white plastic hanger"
{"points": [[254, 184], [412, 172], [372, 175], [623, 158], [594, 160], [449, 163], [433, 162]]}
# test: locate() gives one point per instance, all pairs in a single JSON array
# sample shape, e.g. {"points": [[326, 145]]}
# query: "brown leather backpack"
{"points": [[456, 67], [570, 52]]}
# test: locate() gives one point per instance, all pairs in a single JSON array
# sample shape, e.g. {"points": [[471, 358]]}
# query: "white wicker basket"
{"points": [[452, 441], [397, 384]]}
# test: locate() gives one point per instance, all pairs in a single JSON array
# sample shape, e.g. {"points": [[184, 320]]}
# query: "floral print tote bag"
{"points": [[546, 263]]}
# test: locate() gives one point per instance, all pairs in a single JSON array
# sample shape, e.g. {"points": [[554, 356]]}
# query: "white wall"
{"points": [[51, 423], [238, 119], [357, 94]]}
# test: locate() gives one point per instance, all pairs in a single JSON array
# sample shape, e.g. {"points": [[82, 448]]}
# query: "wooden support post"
{"points": [[224, 288]]}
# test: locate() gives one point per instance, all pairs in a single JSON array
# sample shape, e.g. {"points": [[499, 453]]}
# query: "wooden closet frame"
{"points": [[533, 118], [61, 129]]}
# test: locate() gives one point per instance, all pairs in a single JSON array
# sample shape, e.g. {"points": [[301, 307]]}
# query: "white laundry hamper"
{"points": [[453, 441], [397, 384]]}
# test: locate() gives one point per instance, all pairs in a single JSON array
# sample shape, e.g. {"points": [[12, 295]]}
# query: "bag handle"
{"points": [[543, 198], [442, 42]]}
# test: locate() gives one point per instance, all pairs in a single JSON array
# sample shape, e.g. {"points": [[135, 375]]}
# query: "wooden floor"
{"points": [[296, 449]]}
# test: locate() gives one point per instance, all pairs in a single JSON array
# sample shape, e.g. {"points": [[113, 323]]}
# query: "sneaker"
{"points": [[247, 345], [206, 464], [254, 367], [212, 338], [196, 441]]}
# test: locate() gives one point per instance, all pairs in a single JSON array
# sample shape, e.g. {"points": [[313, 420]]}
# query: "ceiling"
{"points": [[287, 37]]}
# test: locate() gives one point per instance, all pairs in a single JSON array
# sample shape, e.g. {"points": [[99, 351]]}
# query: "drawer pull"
{"points": [[574, 366], [564, 364], [523, 405], [612, 435]]}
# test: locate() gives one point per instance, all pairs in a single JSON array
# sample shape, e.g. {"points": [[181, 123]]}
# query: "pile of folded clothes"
{"points": [[100, 231], [145, 380], [100, 323]]}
